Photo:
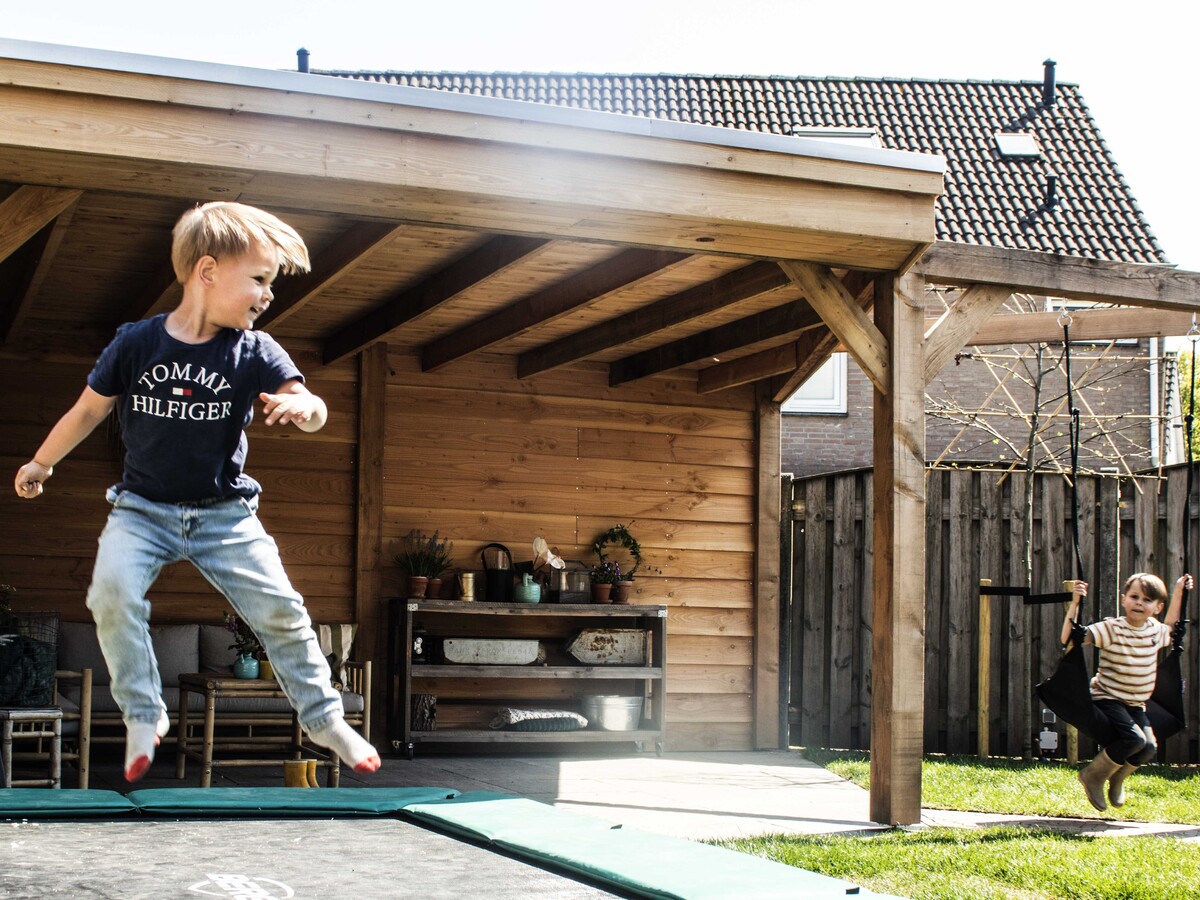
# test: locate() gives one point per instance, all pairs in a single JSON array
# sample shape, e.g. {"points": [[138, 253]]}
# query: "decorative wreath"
{"points": [[619, 534]]}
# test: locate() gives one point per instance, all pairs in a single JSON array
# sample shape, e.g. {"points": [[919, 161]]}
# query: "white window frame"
{"points": [[824, 393], [1018, 145]]}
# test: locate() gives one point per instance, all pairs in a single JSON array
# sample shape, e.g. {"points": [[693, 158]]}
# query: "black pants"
{"points": [[1125, 732]]}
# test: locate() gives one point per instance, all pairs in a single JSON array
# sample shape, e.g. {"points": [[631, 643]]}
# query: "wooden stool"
{"points": [[35, 724]]}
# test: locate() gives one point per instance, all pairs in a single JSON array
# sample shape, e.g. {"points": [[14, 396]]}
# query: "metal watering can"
{"points": [[497, 573]]}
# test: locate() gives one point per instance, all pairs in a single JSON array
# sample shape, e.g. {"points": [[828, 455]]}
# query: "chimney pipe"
{"points": [[301, 60], [1051, 192], [1048, 83]]}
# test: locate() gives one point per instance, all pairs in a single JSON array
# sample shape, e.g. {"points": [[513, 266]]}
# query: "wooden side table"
{"points": [[44, 724], [214, 687]]}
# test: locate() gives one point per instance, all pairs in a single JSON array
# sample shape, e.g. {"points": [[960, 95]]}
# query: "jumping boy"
{"points": [[184, 386], [1129, 646]]}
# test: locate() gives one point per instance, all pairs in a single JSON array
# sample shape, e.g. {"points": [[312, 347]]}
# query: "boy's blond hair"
{"points": [[225, 229], [1152, 586]]}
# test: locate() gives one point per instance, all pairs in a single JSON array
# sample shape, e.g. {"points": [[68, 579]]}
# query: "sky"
{"points": [[1137, 65]]}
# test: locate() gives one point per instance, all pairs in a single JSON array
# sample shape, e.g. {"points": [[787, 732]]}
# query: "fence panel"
{"points": [[973, 530]]}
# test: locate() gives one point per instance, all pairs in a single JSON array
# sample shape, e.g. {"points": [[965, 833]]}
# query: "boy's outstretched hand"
{"points": [[30, 476], [301, 408]]}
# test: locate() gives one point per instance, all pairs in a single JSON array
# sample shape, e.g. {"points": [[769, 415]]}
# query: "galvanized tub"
{"points": [[612, 712]]}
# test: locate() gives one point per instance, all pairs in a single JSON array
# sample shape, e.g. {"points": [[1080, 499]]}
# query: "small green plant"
{"points": [[245, 641], [618, 535], [424, 556], [607, 572]]}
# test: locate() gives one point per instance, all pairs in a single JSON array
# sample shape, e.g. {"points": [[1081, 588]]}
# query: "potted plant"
{"points": [[247, 645], [605, 575], [619, 535], [423, 559]]}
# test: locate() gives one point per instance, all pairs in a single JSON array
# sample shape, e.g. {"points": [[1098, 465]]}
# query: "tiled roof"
{"points": [[989, 199]]}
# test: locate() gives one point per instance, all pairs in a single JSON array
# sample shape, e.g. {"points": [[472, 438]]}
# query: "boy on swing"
{"points": [[1129, 647], [184, 386]]}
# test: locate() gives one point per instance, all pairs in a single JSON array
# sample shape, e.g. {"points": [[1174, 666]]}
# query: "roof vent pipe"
{"points": [[301, 60], [1051, 192], [1047, 83]]}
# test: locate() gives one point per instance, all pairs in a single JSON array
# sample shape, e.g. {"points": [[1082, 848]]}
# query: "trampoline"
{"points": [[364, 843]]}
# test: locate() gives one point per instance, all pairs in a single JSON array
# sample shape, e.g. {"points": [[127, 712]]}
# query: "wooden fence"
{"points": [[972, 531]]}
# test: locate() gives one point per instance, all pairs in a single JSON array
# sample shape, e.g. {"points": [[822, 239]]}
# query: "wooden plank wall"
{"points": [[970, 533], [478, 457], [307, 501], [562, 456]]}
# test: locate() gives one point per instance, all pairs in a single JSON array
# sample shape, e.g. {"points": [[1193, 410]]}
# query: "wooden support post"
{"points": [[898, 614], [984, 703], [369, 610], [767, 599]]}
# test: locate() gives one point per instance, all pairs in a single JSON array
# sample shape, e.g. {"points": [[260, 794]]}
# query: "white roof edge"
{"points": [[306, 83]]}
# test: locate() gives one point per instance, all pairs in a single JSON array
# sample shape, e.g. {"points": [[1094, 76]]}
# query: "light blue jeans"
{"points": [[226, 542]]}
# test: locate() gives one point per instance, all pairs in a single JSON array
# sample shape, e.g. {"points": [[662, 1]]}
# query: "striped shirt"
{"points": [[1128, 659]]}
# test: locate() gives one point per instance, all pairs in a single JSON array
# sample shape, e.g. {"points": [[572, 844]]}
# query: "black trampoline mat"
{"points": [[324, 859]]}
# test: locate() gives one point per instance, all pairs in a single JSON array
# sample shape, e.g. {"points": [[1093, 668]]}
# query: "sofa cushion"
{"points": [[78, 649], [215, 652], [103, 702], [177, 648]]}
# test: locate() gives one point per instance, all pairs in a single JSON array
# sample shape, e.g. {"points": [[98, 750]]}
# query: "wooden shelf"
{"points": [[457, 670], [551, 624], [484, 735]]}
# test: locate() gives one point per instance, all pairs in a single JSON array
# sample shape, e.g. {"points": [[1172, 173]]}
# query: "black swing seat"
{"points": [[1067, 694]]}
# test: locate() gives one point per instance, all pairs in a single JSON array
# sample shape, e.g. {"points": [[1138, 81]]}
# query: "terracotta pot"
{"points": [[417, 585], [602, 593], [434, 590], [622, 591]]}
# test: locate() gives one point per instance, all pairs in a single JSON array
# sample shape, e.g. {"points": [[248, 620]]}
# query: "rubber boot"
{"points": [[310, 772], [1116, 787], [1094, 776], [295, 773]]}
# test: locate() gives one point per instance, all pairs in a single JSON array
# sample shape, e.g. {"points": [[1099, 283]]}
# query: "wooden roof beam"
{"points": [[763, 326], [734, 287], [28, 210], [1051, 274], [336, 261], [545, 305], [954, 327], [795, 360], [42, 250], [479, 265], [1086, 325], [845, 318]]}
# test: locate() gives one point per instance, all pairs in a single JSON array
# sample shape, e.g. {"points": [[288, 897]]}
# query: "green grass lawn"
{"points": [[1004, 862], [1155, 793]]}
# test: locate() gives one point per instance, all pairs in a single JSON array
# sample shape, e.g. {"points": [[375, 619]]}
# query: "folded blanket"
{"points": [[511, 719]]}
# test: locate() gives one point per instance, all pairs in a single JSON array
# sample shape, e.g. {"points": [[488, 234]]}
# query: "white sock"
{"points": [[349, 745], [141, 738]]}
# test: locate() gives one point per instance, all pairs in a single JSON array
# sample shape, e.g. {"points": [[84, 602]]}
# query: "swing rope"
{"points": [[1064, 319], [1030, 598], [1188, 422]]}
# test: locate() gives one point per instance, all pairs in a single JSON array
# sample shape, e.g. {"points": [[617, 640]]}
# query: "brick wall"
{"points": [[1119, 391]]}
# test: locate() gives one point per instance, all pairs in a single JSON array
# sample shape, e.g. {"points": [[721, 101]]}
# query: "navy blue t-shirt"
{"points": [[184, 407]]}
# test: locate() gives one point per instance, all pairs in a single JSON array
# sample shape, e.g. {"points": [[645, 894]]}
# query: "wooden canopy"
{"points": [[467, 234]]}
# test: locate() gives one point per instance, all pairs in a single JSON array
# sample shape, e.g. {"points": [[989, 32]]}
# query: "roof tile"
{"points": [[989, 199]]}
